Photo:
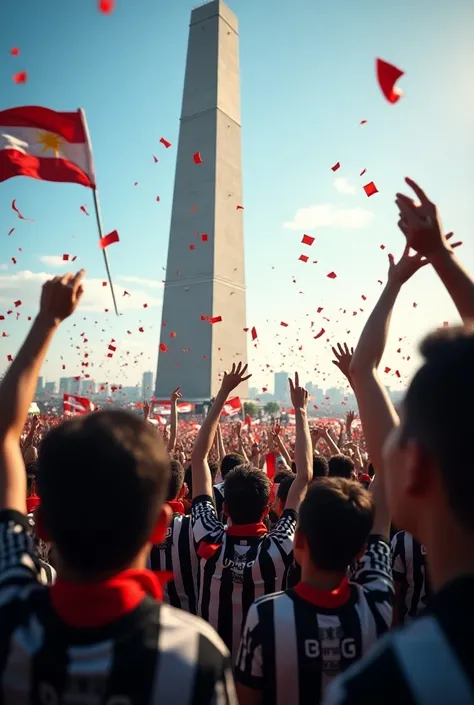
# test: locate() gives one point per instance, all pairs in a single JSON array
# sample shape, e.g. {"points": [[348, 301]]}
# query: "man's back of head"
{"points": [[247, 494], [341, 466], [102, 479], [229, 462]]}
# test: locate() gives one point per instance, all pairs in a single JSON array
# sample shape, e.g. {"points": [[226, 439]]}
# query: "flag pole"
{"points": [[97, 209]]}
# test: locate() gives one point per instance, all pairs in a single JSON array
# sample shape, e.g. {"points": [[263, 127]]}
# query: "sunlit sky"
{"points": [[307, 80]]}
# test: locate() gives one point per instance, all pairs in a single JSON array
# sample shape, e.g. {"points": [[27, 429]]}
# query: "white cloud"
{"points": [[328, 215], [343, 185], [53, 260], [27, 285], [152, 283]]}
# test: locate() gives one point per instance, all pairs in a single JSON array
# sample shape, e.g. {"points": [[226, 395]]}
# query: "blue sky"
{"points": [[307, 80]]}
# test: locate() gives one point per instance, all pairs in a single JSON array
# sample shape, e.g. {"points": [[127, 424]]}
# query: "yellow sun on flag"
{"points": [[51, 141]]}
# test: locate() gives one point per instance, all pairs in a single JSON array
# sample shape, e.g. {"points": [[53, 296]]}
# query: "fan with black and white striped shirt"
{"points": [[238, 565], [149, 655], [294, 643], [178, 556], [410, 575]]}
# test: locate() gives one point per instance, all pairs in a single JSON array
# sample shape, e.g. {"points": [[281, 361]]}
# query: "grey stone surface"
{"points": [[208, 280]]}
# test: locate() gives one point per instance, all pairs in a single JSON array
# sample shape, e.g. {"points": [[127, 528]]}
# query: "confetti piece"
{"points": [[303, 258], [65, 258], [9, 358], [331, 275], [362, 172], [108, 239], [172, 334], [239, 208], [387, 370], [192, 247], [321, 332], [336, 166], [320, 308], [104, 283], [126, 293], [141, 330], [165, 142], [21, 217], [15, 51], [84, 210], [112, 348], [253, 333], [364, 298], [397, 373], [157, 198], [307, 240], [17, 303], [387, 76], [204, 237], [20, 77], [363, 122], [13, 260], [370, 189], [215, 319], [285, 325], [106, 6], [11, 231], [155, 159], [163, 347], [197, 158]]}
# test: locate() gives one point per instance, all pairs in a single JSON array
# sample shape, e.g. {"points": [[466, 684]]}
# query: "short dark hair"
{"points": [[436, 412], [341, 466], [230, 461], [284, 488], [102, 479], [176, 480], [336, 518], [282, 475], [214, 468], [320, 466], [247, 493]]}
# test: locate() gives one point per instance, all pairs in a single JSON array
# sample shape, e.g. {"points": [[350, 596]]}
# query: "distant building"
{"points": [[147, 385], [88, 387], [50, 388], [281, 386], [65, 385], [131, 393], [39, 386]]}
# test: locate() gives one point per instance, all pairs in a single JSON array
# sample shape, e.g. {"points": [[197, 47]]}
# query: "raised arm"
{"points": [[220, 444], [202, 481], [421, 225], [303, 446], [59, 299], [175, 396]]}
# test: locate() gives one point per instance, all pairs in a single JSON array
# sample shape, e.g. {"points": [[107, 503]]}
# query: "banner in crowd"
{"points": [[77, 405], [163, 408]]}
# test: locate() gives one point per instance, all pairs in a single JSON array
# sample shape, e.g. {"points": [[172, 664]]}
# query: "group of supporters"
{"points": [[128, 578]]}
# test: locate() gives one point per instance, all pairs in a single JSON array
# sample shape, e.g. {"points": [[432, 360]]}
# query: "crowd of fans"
{"points": [[253, 565]]}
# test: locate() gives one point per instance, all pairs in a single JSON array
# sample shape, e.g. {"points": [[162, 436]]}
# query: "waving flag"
{"points": [[232, 407], [77, 405], [163, 408], [44, 144]]}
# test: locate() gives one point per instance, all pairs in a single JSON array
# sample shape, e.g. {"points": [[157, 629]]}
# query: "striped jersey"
{"points": [[149, 655], [296, 642], [238, 564], [409, 570], [177, 555], [429, 662]]}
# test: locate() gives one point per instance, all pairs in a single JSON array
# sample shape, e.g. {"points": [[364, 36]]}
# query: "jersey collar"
{"points": [[258, 529], [324, 598]]}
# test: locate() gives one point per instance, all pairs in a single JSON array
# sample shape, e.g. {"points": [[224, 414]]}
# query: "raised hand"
{"points": [[343, 359], [298, 395], [176, 394], [146, 410], [405, 268], [421, 224], [350, 416], [236, 376], [60, 297]]}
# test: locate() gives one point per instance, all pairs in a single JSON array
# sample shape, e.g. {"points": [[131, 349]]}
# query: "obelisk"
{"points": [[205, 274]]}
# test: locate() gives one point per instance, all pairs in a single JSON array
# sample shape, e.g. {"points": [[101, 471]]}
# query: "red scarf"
{"points": [[177, 507], [89, 605]]}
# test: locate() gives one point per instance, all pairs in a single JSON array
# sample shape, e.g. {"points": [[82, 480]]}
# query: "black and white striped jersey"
{"points": [[238, 565], [429, 662], [149, 655], [410, 571], [178, 556], [296, 642]]}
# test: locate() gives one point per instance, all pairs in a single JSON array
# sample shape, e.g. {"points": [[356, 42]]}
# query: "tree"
{"points": [[272, 408], [251, 409]]}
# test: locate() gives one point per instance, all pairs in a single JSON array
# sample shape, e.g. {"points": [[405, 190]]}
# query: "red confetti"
{"points": [[303, 258], [21, 217], [370, 189], [387, 76], [363, 122], [65, 258], [157, 198], [320, 308], [172, 334], [163, 347], [192, 247], [239, 208], [382, 247], [145, 305], [104, 283], [106, 6], [84, 210], [155, 159], [387, 370], [364, 298], [285, 325], [112, 348], [15, 51], [9, 358], [109, 239], [20, 77], [336, 166], [13, 260], [321, 332], [332, 275], [204, 237], [362, 172], [197, 158], [397, 373], [125, 293], [11, 231], [215, 319], [307, 240], [17, 303], [141, 330], [165, 142]]}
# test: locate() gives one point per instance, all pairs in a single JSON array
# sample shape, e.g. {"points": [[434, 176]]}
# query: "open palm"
{"points": [[401, 271]]}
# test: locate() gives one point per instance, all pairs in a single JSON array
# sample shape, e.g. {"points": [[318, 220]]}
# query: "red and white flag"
{"points": [[44, 144], [232, 407], [77, 405], [163, 408]]}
